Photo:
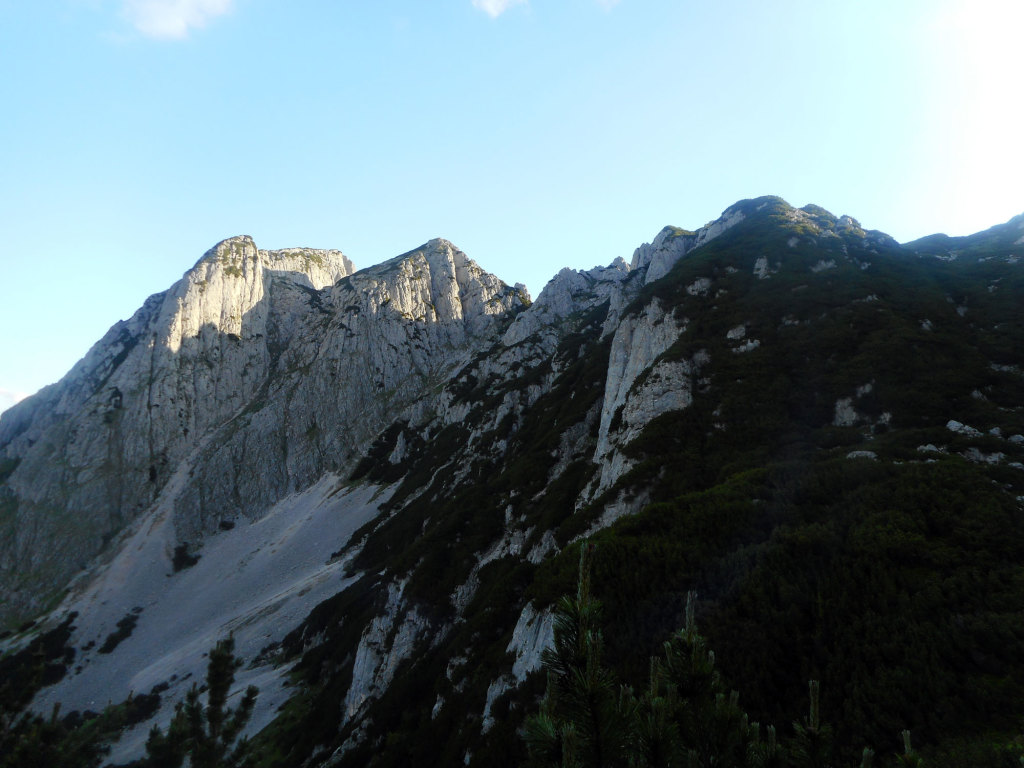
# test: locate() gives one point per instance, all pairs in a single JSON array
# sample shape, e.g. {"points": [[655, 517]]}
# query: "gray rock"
{"points": [[862, 455], [289, 361], [961, 429], [845, 414]]}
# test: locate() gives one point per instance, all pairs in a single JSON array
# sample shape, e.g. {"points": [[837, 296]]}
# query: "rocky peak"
{"points": [[230, 249], [238, 257], [849, 224], [567, 294], [438, 283], [322, 267], [660, 255], [573, 291]]}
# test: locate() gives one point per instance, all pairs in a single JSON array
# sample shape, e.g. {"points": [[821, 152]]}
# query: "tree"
{"points": [[585, 719], [206, 733], [712, 728], [684, 718], [909, 758], [28, 740], [812, 745]]}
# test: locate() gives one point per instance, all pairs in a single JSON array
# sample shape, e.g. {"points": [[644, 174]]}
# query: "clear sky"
{"points": [[534, 134]]}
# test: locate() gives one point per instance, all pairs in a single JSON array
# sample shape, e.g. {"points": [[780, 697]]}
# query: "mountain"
{"points": [[284, 360], [377, 480]]}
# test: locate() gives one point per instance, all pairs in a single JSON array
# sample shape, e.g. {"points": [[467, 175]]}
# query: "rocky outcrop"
{"points": [[533, 633], [383, 646], [637, 387], [569, 293], [661, 254]]}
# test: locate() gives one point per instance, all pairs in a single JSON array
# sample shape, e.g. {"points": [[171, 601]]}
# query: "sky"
{"points": [[534, 134]]}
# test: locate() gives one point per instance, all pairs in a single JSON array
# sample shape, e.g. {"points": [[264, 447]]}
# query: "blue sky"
{"points": [[534, 134]]}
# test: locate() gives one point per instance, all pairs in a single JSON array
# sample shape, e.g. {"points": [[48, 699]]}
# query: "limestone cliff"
{"points": [[264, 369]]}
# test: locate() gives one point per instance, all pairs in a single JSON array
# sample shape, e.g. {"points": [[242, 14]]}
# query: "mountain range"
{"points": [[377, 482]]}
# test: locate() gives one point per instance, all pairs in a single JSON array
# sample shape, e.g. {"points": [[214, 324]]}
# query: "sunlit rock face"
{"points": [[283, 362]]}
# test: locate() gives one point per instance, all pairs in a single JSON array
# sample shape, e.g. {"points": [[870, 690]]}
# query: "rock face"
{"points": [[288, 361], [567, 293], [628, 404], [377, 659]]}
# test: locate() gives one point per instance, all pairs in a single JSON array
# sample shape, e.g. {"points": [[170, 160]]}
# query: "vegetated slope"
{"points": [[815, 428]]}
